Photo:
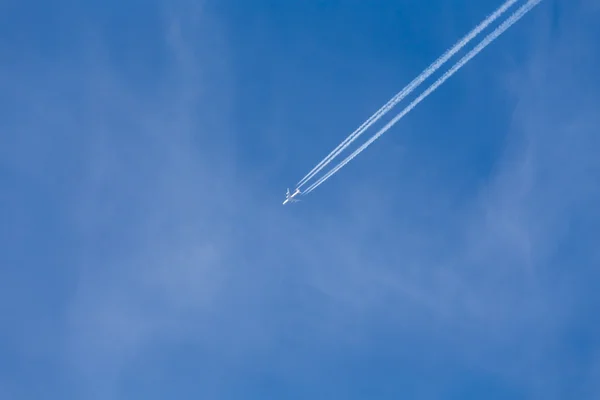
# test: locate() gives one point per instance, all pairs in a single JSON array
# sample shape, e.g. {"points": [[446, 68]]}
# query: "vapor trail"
{"points": [[483, 44], [406, 91]]}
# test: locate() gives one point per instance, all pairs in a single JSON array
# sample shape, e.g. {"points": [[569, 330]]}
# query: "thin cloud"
{"points": [[172, 247]]}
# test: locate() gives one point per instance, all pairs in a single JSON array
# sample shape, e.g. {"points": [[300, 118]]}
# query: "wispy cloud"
{"points": [[170, 246]]}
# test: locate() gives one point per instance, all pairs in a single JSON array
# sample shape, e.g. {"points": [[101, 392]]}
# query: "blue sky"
{"points": [[144, 154]]}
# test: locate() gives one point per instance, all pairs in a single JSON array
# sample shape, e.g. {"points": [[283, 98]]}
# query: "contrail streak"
{"points": [[483, 44], [406, 91]]}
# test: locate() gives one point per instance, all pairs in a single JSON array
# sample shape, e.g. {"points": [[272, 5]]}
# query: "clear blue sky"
{"points": [[145, 149]]}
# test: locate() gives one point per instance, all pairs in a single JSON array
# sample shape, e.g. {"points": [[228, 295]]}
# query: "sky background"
{"points": [[145, 149]]}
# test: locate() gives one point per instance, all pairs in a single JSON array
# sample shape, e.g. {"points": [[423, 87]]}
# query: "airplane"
{"points": [[289, 198]]}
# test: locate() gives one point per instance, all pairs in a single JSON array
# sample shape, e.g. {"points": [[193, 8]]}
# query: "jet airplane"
{"points": [[290, 198]]}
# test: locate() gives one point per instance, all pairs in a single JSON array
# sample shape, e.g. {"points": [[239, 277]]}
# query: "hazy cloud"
{"points": [[169, 246]]}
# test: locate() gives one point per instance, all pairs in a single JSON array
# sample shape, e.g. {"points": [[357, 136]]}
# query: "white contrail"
{"points": [[484, 43], [407, 90]]}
